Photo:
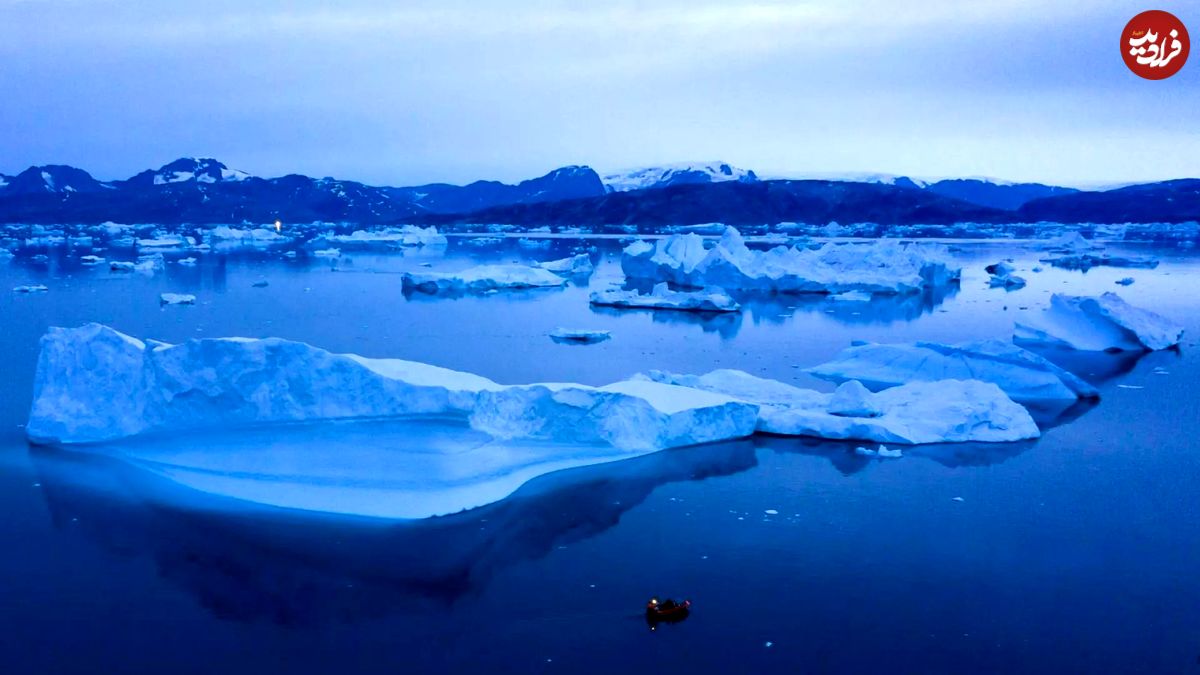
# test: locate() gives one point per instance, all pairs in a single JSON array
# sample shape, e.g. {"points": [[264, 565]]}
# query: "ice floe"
{"points": [[177, 299], [1023, 375], [662, 297], [482, 278], [945, 411], [579, 336], [38, 288], [1104, 323], [1002, 276], [884, 266], [1086, 261], [408, 235]]}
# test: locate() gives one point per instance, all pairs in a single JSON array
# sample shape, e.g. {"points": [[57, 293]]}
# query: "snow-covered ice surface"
{"points": [[885, 266], [940, 411], [1103, 323], [1022, 374], [662, 297]]}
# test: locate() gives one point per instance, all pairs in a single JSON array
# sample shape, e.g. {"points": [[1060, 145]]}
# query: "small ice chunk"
{"points": [[38, 288], [176, 299], [1126, 281], [577, 265], [579, 336], [187, 262]]}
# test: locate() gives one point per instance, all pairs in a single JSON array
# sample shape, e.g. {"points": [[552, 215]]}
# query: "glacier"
{"points": [[885, 266], [1104, 323], [1024, 376], [482, 278], [941, 411]]}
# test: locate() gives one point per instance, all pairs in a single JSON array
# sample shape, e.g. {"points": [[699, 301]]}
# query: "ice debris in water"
{"points": [[1104, 323], [392, 237], [1002, 276], [1021, 374], [883, 452], [662, 297], [30, 289], [884, 266]]}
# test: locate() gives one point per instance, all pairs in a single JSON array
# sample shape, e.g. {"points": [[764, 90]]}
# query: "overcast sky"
{"points": [[439, 90]]}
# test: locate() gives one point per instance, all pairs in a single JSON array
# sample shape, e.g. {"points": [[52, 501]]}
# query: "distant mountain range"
{"points": [[204, 190]]}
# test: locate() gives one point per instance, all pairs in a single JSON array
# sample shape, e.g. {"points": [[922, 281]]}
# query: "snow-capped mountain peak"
{"points": [[191, 169], [676, 174]]}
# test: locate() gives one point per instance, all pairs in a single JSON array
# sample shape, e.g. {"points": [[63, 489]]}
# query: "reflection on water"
{"points": [[301, 568]]}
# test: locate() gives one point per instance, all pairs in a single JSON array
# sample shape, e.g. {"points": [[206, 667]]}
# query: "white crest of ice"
{"points": [[1104, 323]]}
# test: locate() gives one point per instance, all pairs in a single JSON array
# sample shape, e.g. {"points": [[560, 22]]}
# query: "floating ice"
{"points": [[1127, 281], [409, 235], [1086, 261], [327, 253], [884, 266], [91, 260], [177, 299], [946, 411], [30, 289], [1023, 375], [187, 262], [482, 278], [1002, 276], [96, 384], [661, 297], [166, 242], [1071, 242], [576, 265], [579, 336], [1105, 323]]}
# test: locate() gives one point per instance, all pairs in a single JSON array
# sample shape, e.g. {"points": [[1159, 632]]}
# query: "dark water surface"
{"points": [[1075, 553]]}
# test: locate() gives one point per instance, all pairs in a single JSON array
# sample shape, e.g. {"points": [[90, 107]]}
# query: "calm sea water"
{"points": [[1076, 553]]}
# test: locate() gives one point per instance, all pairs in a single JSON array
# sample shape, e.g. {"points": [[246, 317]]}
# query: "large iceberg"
{"points": [[96, 384], [1105, 323], [662, 297], [482, 278], [884, 266], [944, 411], [1024, 376]]}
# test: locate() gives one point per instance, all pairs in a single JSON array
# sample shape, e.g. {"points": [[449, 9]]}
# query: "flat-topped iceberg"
{"points": [[95, 384], [392, 237], [1086, 261], [944, 411], [884, 266], [1024, 376], [482, 278], [576, 265], [662, 297], [1104, 323], [579, 336]]}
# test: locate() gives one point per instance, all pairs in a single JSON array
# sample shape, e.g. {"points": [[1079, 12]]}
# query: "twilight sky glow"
{"points": [[440, 90]]}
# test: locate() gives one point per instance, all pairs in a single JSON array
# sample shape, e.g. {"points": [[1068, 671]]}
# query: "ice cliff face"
{"points": [[885, 266]]}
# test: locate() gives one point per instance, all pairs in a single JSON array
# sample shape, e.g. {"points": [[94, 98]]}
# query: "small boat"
{"points": [[667, 610]]}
